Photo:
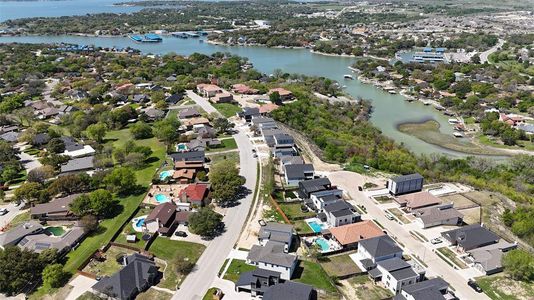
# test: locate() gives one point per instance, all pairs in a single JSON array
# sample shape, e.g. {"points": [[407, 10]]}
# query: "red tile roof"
{"points": [[195, 192]]}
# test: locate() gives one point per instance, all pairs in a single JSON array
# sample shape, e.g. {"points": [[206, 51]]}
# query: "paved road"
{"points": [[199, 281], [484, 55], [12, 212], [348, 181]]}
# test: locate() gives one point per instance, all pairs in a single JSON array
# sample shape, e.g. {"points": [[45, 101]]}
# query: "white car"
{"points": [[3, 211], [389, 217], [436, 241]]}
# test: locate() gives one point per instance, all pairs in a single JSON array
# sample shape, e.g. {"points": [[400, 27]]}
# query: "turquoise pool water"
{"points": [[323, 244], [160, 198], [316, 227], [140, 222], [165, 174]]}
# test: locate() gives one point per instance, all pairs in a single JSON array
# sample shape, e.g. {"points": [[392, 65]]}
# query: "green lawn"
{"points": [[292, 210], [152, 294], [226, 144], [501, 287], [233, 156], [339, 265], [236, 268], [227, 109], [19, 219], [313, 274], [209, 294], [110, 265], [109, 227], [452, 256], [173, 251], [302, 227]]}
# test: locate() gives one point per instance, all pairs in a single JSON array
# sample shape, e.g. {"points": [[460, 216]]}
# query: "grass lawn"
{"points": [[19, 219], [173, 251], [227, 109], [339, 265], [452, 256], [152, 294], [233, 156], [313, 274], [292, 210], [365, 289], [129, 204], [302, 227], [398, 213], [209, 294], [501, 287], [226, 144], [110, 265], [236, 268]]}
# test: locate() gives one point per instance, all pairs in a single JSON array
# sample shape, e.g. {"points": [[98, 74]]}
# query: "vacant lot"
{"points": [[471, 215], [339, 265], [459, 200], [361, 288], [501, 287]]}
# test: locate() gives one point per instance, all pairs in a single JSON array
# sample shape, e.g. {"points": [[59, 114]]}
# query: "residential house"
{"points": [[54, 210], [272, 257], [277, 233], [174, 99], [324, 198], [40, 139], [280, 151], [208, 90], [405, 184], [42, 241], [223, 98], [350, 235], [47, 113], [257, 281], [17, 233], [394, 273], [527, 128], [195, 121], [470, 237], [444, 214], [11, 136], [154, 114], [138, 274], [285, 95], [341, 213], [283, 139], [267, 108], [162, 219], [243, 89], [191, 156], [184, 176], [435, 289], [290, 290], [67, 109], [261, 123], [248, 113], [268, 134], [196, 194], [375, 249], [488, 259], [417, 200], [77, 165], [187, 113], [140, 98], [306, 188], [293, 174], [74, 149], [290, 160], [189, 164]]}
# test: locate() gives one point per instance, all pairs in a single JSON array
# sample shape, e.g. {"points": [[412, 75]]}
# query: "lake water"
{"points": [[388, 110], [10, 10]]}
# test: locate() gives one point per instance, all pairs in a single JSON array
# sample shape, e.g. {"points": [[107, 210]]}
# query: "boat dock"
{"points": [[147, 38]]}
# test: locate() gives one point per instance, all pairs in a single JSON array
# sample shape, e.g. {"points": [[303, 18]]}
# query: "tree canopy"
{"points": [[204, 222], [225, 182]]}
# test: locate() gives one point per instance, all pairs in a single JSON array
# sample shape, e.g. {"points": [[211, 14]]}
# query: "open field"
{"points": [[459, 200], [233, 156], [429, 132], [339, 265], [361, 288], [226, 144], [501, 287], [227, 109]]}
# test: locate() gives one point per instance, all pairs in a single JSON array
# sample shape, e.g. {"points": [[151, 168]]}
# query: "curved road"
{"points": [[484, 55], [200, 279]]}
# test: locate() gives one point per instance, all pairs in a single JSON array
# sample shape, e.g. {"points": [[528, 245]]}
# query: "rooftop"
{"points": [[418, 199], [353, 233], [380, 246], [408, 177], [271, 253]]}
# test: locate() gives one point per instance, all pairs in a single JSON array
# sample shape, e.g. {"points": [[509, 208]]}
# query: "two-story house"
{"points": [[272, 257], [277, 233], [341, 213]]}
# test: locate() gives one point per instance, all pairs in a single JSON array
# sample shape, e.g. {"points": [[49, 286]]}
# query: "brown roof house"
{"points": [[55, 210], [417, 200], [349, 235], [162, 219]]}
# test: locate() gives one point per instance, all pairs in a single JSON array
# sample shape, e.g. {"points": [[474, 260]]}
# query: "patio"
{"points": [[325, 245], [316, 225], [161, 193]]}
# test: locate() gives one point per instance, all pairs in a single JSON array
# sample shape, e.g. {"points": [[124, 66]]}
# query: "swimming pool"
{"points": [[160, 198], [181, 147], [323, 244], [140, 222], [56, 230], [316, 227], [163, 175]]}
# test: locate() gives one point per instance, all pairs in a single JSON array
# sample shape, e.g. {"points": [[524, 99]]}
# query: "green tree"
{"points": [[519, 264], [56, 145], [204, 222], [54, 276], [141, 130], [89, 223], [225, 182], [20, 268], [166, 130], [274, 97], [121, 180], [41, 174], [96, 132], [102, 202], [30, 192], [222, 125], [81, 206]]}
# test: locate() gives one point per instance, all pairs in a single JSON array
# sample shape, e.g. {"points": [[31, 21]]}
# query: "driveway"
{"points": [[205, 272], [30, 162], [81, 285], [436, 266]]}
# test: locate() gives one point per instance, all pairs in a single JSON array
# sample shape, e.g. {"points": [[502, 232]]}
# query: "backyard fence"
{"points": [[277, 207]]}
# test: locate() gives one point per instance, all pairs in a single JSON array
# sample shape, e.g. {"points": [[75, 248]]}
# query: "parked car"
{"points": [[255, 155], [389, 217], [181, 233], [474, 285], [253, 150], [436, 241], [262, 222], [3, 211]]}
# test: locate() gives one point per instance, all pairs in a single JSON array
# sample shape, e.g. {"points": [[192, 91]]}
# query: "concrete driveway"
{"points": [[81, 285], [205, 272], [436, 266]]}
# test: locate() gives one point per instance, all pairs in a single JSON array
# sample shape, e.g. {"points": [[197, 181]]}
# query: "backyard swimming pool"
{"points": [[163, 175], [56, 230], [316, 227], [323, 244], [160, 198], [140, 222], [181, 147], [137, 223]]}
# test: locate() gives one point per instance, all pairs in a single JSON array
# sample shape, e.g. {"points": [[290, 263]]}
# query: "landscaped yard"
{"points": [[313, 274], [110, 265], [128, 229], [399, 214], [232, 156], [109, 227], [226, 144], [152, 294], [236, 268], [339, 265], [452, 256], [292, 210], [227, 109], [383, 199], [19, 219], [501, 287], [173, 252], [302, 227]]}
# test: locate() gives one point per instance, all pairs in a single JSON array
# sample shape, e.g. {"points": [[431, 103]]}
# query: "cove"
{"points": [[388, 110]]}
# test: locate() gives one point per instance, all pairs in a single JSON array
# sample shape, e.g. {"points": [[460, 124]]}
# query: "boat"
{"points": [[457, 134], [147, 38], [348, 76], [453, 121], [392, 92]]}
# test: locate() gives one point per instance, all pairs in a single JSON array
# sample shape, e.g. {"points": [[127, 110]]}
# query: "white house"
{"points": [[273, 258], [373, 250], [278, 233], [341, 213], [323, 198], [293, 174], [395, 273]]}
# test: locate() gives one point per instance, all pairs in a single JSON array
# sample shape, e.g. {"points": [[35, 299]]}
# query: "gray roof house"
{"points": [[248, 113], [11, 136], [256, 282], [435, 289], [293, 174], [189, 112], [470, 237], [14, 235], [394, 273], [188, 156], [272, 257], [378, 248], [341, 213], [290, 290], [138, 274], [154, 114], [306, 188], [57, 209], [76, 165], [488, 259], [277, 233], [405, 184], [45, 240], [444, 214]]}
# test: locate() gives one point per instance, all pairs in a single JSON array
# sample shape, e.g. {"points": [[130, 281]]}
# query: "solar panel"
{"points": [[23, 242], [42, 246]]}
